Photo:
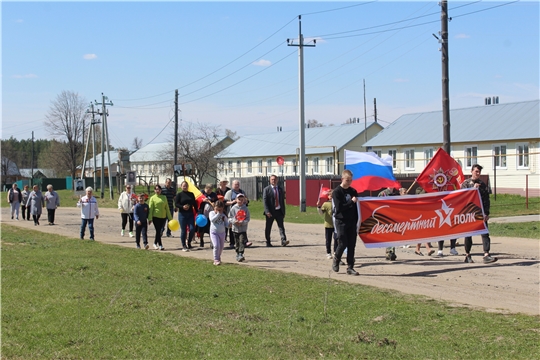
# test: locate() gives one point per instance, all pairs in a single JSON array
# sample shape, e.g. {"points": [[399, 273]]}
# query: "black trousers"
{"points": [[329, 234], [25, 212], [158, 225], [125, 218], [452, 244], [277, 216], [486, 242], [50, 215], [346, 235], [141, 230]]}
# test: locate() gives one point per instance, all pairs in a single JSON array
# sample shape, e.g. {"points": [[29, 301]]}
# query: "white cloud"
{"points": [[262, 62], [18, 21], [462, 36], [401, 80], [27, 76], [89, 56]]}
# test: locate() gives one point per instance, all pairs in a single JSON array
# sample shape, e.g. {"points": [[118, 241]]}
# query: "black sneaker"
{"points": [[489, 259], [351, 271], [468, 259], [335, 264], [269, 244]]}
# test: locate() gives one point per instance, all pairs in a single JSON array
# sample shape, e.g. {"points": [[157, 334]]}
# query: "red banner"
{"points": [[442, 173], [400, 220]]}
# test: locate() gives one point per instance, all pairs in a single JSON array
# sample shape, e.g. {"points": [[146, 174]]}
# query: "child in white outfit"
{"points": [[219, 223]]}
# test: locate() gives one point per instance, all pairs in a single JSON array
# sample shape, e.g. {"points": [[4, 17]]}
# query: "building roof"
{"points": [[114, 159], [160, 151], [12, 168], [500, 122], [283, 143], [152, 152], [27, 173]]}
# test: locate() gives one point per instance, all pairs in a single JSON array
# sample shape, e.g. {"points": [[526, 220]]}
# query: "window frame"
{"points": [[329, 165], [250, 166], [470, 160], [408, 155], [522, 156], [497, 159], [393, 154], [428, 155]]}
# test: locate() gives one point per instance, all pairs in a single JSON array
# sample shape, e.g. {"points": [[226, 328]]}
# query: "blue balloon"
{"points": [[201, 220]]}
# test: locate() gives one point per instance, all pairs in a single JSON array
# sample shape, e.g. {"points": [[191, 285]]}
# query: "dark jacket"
{"points": [[344, 208], [269, 200], [11, 195], [170, 194], [183, 198], [484, 192]]}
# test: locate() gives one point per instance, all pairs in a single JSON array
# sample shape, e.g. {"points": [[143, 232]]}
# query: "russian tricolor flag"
{"points": [[370, 172]]}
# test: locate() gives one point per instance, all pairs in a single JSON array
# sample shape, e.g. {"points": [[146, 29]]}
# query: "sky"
{"points": [[233, 68]]}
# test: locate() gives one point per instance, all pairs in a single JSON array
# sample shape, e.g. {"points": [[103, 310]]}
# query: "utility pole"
{"points": [[91, 132], [32, 162], [105, 138], [175, 136], [302, 161], [375, 109], [365, 115], [445, 77]]}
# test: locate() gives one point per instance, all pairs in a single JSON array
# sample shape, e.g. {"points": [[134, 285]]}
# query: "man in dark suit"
{"points": [[274, 209]]}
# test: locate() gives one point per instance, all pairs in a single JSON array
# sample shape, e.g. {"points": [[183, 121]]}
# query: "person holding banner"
{"points": [[475, 182], [274, 209], [187, 208], [345, 200]]}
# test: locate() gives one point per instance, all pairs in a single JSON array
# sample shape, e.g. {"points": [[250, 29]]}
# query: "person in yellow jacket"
{"points": [[158, 214]]}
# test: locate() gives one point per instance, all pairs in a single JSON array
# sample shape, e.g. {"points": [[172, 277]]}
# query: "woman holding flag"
{"points": [[187, 208]]}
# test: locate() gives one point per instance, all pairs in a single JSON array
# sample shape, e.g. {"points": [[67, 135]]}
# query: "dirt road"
{"points": [[510, 285]]}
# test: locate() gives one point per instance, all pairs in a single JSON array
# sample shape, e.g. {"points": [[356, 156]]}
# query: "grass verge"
{"points": [[66, 298]]}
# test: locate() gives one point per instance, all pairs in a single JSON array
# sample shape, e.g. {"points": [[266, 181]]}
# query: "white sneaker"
{"points": [[453, 252], [439, 253], [131, 234], [329, 256], [122, 233], [156, 247]]}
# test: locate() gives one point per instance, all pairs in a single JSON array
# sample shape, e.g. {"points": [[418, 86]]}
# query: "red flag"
{"points": [[323, 193], [442, 173]]}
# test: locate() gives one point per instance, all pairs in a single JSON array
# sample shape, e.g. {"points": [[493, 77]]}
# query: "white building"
{"points": [[257, 155], [503, 138]]}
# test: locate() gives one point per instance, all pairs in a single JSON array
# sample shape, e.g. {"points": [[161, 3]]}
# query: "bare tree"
{"points": [[232, 134], [65, 121], [311, 123], [198, 145], [137, 143], [56, 157]]}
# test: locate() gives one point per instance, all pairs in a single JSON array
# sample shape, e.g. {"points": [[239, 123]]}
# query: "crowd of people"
{"points": [[225, 213]]}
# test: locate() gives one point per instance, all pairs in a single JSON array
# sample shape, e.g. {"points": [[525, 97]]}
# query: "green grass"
{"points": [[529, 230], [71, 299]]}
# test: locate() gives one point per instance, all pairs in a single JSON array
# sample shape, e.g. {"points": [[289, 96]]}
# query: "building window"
{"points": [[378, 152], [428, 155], [522, 156], [294, 166], [269, 167], [315, 165], [306, 166], [259, 165], [238, 168], [471, 156], [280, 168], [229, 163], [250, 166], [499, 158], [329, 165], [393, 154], [409, 159]]}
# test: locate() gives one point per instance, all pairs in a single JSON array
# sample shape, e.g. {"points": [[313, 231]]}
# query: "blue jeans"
{"points": [[186, 220], [90, 223]]}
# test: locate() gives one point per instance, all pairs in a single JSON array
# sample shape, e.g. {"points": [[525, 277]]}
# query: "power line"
{"points": [[337, 9]]}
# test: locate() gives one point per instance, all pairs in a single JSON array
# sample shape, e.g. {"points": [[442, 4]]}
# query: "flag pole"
{"points": [[410, 187]]}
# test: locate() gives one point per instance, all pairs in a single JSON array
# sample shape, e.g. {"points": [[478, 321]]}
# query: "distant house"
{"points": [[257, 155], [10, 171], [503, 138], [94, 164], [38, 173], [155, 161]]}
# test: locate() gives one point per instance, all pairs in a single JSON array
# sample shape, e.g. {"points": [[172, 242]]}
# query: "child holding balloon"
{"points": [[239, 218], [219, 223], [140, 217]]}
